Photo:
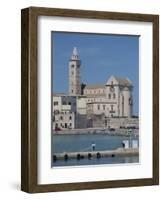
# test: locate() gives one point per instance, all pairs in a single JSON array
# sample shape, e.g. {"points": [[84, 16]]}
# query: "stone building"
{"points": [[64, 111], [74, 74], [91, 105], [114, 99]]}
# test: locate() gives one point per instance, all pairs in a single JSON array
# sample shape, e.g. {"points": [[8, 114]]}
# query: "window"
{"points": [[61, 118], [70, 118], [64, 102], [53, 118], [78, 66], [55, 103], [72, 66], [69, 103], [70, 124], [122, 99], [72, 73], [103, 107], [112, 107], [98, 107], [130, 101], [72, 91], [109, 96], [114, 96]]}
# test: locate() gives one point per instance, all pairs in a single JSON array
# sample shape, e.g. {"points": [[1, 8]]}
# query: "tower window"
{"points": [[72, 66], [72, 73]]}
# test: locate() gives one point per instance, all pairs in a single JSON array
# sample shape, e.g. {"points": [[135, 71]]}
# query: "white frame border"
{"points": [[48, 175]]}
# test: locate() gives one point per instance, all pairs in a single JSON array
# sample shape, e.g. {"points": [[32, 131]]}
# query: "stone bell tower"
{"points": [[74, 74]]}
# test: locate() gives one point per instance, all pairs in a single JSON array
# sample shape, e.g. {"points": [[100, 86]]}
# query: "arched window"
{"points": [[113, 95], [130, 101], [72, 66], [112, 106], [109, 96]]}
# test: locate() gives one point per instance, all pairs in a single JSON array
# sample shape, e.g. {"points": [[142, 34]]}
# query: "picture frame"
{"points": [[29, 99]]}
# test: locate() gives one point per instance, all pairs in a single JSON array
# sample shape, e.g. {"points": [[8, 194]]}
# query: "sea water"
{"points": [[83, 142]]}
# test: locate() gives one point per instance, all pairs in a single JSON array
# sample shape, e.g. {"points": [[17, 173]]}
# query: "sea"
{"points": [[62, 143]]}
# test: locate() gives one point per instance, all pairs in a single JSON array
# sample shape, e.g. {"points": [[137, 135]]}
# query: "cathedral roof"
{"points": [[119, 81], [123, 81]]}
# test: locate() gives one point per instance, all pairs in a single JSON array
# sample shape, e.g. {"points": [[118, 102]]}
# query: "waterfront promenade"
{"points": [[124, 132], [96, 154]]}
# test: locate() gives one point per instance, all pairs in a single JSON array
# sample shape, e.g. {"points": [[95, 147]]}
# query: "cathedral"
{"points": [[91, 105]]}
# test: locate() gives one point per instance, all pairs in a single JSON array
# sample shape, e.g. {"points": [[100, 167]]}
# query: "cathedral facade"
{"points": [[91, 105]]}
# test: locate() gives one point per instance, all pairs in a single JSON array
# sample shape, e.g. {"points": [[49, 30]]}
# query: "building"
{"points": [[64, 111], [114, 99], [91, 105], [74, 74]]}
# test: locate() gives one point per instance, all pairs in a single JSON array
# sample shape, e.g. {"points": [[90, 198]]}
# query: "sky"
{"points": [[101, 56]]}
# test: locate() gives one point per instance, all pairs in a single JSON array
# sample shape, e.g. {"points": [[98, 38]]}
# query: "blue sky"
{"points": [[101, 56]]}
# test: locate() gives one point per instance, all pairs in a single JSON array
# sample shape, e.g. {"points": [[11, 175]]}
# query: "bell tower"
{"points": [[74, 74]]}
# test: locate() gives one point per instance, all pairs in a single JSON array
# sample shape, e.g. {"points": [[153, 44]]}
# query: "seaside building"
{"points": [[114, 99], [64, 111], [92, 105]]}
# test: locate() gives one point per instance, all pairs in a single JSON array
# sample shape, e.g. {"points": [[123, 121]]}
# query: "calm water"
{"points": [[82, 142]]}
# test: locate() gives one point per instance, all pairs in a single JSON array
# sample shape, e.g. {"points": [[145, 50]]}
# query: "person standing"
{"points": [[93, 146]]}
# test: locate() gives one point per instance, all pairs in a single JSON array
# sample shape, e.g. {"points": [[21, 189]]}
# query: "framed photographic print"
{"points": [[90, 99]]}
